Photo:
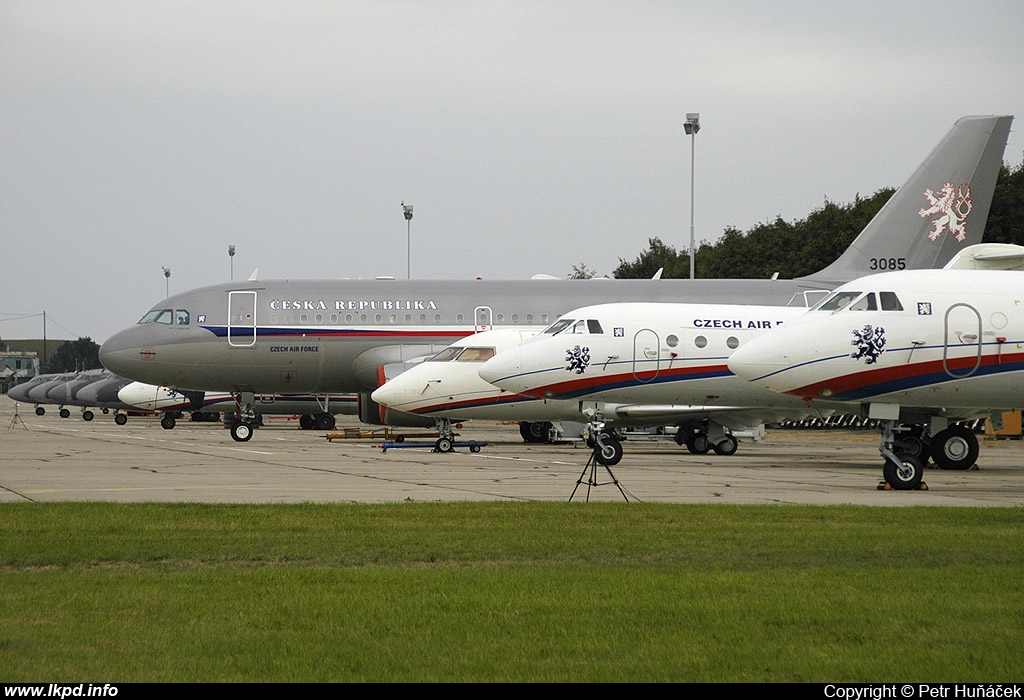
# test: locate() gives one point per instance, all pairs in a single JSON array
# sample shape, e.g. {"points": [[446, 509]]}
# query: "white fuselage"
{"points": [[936, 340]]}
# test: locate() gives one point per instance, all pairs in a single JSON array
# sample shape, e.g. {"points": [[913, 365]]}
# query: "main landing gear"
{"points": [[906, 451], [704, 437]]}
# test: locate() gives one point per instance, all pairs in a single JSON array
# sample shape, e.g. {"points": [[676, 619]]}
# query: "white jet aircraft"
{"points": [[916, 350]]}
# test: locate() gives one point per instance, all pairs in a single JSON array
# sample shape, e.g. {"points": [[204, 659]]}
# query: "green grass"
{"points": [[510, 592]]}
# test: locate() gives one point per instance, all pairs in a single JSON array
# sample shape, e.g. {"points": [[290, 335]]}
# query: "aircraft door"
{"points": [[646, 356], [241, 319], [961, 351], [483, 319]]}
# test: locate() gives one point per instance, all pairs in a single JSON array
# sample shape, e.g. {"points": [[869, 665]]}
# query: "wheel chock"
{"points": [[885, 486]]}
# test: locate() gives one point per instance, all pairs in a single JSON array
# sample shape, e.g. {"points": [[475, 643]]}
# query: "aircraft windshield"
{"points": [[559, 326], [168, 317], [463, 355], [839, 300], [446, 355]]}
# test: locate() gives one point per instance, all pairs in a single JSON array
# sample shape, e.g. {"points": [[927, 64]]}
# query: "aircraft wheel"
{"points": [[904, 476], [241, 431], [609, 451], [87, 415], [956, 447], [698, 444], [306, 422], [727, 446], [167, 421], [534, 431], [325, 421], [65, 413], [120, 418], [40, 410], [443, 445], [912, 446]]}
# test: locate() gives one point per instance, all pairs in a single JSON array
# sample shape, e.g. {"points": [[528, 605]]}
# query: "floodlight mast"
{"points": [[691, 126], [407, 210], [167, 281], [231, 258]]}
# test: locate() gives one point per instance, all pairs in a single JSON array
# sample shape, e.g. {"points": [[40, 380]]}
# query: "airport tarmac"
{"points": [[47, 458]]}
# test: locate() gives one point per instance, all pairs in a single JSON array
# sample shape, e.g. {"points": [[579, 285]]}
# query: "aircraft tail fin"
{"points": [[936, 213]]}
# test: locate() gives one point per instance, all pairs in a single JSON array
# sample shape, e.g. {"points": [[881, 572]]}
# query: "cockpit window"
{"points": [[839, 300], [165, 316], [181, 317], [559, 326], [594, 326], [476, 354], [865, 303], [446, 355], [890, 302]]}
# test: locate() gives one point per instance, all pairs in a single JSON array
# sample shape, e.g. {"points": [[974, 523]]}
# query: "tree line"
{"points": [[798, 248]]}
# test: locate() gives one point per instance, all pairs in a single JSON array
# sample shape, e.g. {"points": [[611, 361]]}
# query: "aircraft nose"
{"points": [[122, 353], [502, 369], [763, 359]]}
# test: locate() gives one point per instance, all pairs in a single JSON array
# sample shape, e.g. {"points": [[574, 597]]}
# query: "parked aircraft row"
{"points": [[87, 390], [100, 389], [321, 337]]}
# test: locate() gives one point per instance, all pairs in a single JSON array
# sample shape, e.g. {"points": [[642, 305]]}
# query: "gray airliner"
{"points": [[332, 336]]}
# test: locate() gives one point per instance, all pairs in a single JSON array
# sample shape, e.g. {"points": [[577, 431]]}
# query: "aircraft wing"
{"points": [[732, 417]]}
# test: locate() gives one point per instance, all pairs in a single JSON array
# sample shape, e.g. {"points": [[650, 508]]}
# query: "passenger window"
{"points": [[890, 302]]}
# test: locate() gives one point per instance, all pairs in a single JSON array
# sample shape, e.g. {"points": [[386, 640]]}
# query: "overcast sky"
{"points": [[528, 136]]}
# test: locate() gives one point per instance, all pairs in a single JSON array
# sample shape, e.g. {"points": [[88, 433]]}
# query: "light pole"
{"points": [[407, 210], [167, 281], [231, 257], [692, 126]]}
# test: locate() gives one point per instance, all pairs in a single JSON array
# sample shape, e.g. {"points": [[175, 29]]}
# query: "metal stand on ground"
{"points": [[16, 420], [590, 471]]}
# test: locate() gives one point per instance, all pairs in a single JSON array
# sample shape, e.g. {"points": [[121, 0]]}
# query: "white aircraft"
{"points": [[655, 363], [313, 411], [328, 336], [916, 350]]}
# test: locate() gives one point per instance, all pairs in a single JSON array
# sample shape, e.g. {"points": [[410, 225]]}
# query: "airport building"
{"points": [[17, 367]]}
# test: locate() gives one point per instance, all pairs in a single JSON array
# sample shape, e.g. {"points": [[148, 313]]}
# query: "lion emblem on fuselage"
{"points": [[578, 359], [952, 206], [870, 344]]}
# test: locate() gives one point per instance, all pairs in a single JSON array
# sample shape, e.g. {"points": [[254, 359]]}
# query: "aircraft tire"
{"points": [[241, 431], [87, 415], [698, 444], [306, 422], [325, 421], [167, 421], [912, 446], [443, 445], [955, 448], [905, 476], [40, 410], [65, 413], [536, 431], [120, 418], [609, 451], [727, 446]]}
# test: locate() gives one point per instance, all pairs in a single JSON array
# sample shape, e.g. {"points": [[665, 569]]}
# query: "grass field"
{"points": [[510, 592]]}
